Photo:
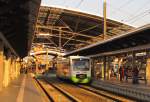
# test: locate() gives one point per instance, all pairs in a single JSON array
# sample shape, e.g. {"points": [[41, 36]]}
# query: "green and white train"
{"points": [[74, 68]]}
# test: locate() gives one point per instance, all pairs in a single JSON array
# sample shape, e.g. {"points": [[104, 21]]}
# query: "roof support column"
{"points": [[7, 69], [36, 65], [133, 59], [133, 63], [36, 69], [60, 39], [13, 68], [1, 64], [47, 62], [18, 66], [148, 69], [104, 63]]}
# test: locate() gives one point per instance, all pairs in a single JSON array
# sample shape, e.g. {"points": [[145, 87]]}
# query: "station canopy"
{"points": [[17, 24], [136, 40], [69, 30]]}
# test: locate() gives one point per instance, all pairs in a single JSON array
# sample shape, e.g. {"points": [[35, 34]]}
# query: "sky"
{"points": [[132, 12]]}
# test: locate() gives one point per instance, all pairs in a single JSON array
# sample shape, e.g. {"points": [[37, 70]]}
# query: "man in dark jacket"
{"points": [[135, 75], [126, 73], [120, 72]]}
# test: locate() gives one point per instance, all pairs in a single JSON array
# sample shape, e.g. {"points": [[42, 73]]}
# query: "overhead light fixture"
{"points": [[44, 34]]}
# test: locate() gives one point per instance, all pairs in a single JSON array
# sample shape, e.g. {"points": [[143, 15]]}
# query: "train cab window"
{"points": [[80, 64]]}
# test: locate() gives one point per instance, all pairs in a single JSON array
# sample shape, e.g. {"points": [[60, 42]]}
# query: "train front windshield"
{"points": [[80, 64]]}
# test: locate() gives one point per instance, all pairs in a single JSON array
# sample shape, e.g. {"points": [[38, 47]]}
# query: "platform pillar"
{"points": [[18, 67], [6, 72], [1, 64], [148, 71], [105, 68], [13, 72], [12, 68], [36, 69], [15, 68], [133, 60]]}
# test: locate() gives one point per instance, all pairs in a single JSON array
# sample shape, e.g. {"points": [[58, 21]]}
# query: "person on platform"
{"points": [[135, 75], [120, 72], [126, 74]]}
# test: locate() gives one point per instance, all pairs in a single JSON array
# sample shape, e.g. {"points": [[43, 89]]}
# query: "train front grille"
{"points": [[81, 76]]}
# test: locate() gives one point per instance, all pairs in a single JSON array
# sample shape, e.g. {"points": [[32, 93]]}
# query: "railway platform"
{"points": [[139, 91], [22, 89]]}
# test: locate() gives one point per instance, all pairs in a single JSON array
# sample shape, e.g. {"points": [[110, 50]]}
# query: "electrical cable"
{"points": [[134, 18], [148, 13], [78, 5], [118, 10], [139, 15], [138, 10], [125, 4]]}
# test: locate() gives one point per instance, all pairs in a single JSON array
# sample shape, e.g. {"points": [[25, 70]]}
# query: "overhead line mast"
{"points": [[105, 22]]}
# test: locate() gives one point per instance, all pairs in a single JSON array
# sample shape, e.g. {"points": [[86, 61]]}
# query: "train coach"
{"points": [[74, 68]]}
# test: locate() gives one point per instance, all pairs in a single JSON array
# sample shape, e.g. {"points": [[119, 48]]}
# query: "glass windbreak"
{"points": [[80, 64]]}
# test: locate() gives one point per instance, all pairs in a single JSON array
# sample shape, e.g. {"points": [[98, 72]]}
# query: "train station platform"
{"points": [[22, 89], [139, 91]]}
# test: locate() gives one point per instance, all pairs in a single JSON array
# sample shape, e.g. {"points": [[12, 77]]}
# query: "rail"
{"points": [[96, 92], [63, 92], [45, 91], [72, 98]]}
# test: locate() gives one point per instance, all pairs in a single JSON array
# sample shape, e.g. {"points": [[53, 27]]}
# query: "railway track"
{"points": [[45, 91], [54, 93], [116, 98], [80, 93], [84, 93]]}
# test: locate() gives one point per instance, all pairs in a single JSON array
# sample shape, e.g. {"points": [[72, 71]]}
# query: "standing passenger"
{"points": [[120, 72], [135, 75], [126, 73], [123, 72]]}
